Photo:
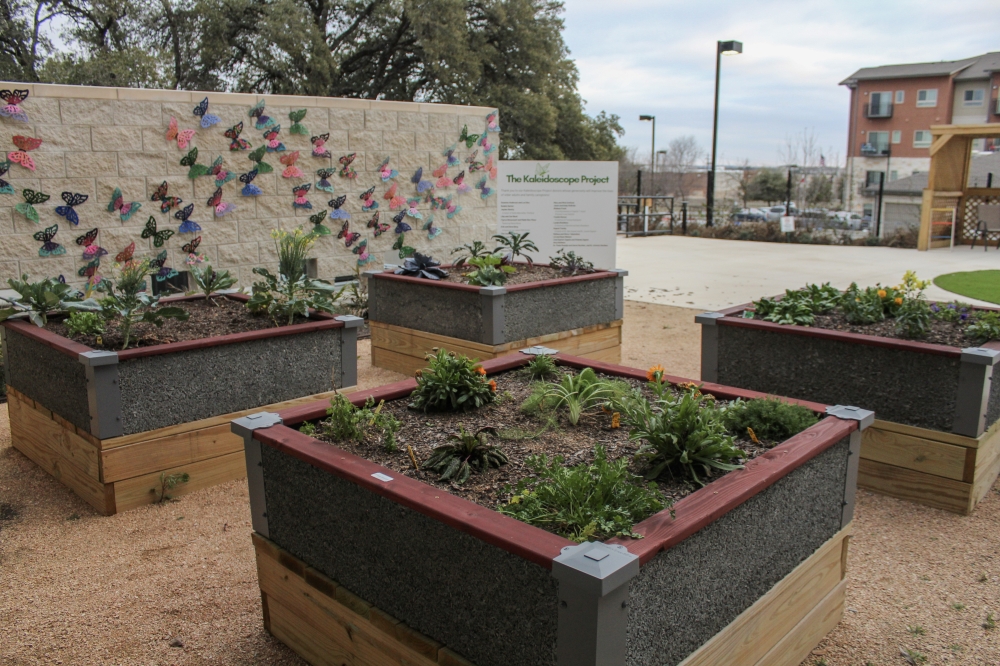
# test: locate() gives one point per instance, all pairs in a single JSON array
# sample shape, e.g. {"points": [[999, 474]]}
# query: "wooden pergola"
{"points": [[948, 199]]}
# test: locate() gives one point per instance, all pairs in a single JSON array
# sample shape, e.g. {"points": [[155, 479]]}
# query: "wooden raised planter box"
{"points": [[580, 315], [108, 424], [359, 564], [936, 438]]}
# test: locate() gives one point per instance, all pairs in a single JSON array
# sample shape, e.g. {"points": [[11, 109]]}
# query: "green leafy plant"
{"points": [[85, 323], [356, 301], [308, 428], [451, 382], [576, 392], [985, 327], [822, 298], [913, 318], [168, 482], [770, 419], [596, 500], [798, 306], [41, 298], [916, 630], [468, 251], [490, 271], [542, 366], [126, 302], [862, 306], [470, 453], [912, 656], [210, 281], [514, 245], [345, 422], [680, 434], [953, 313], [569, 263], [794, 311], [990, 624], [291, 292]]}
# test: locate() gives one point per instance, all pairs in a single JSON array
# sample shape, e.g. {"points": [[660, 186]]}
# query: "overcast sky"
{"points": [[658, 57]]}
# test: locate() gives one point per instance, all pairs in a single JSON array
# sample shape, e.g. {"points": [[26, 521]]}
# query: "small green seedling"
{"points": [[990, 624], [916, 630], [169, 482]]}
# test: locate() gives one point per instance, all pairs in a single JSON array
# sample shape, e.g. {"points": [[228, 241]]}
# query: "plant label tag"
{"points": [[787, 223], [382, 477]]}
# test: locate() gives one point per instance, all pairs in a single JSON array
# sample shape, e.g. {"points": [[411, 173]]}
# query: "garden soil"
{"points": [[177, 584]]}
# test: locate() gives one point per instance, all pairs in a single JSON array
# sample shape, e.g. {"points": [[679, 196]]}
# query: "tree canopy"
{"points": [[507, 54]]}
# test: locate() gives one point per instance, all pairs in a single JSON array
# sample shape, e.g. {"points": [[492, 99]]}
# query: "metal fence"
{"points": [[646, 215]]}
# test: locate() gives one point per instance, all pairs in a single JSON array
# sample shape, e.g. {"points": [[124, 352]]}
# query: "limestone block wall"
{"points": [[97, 139]]}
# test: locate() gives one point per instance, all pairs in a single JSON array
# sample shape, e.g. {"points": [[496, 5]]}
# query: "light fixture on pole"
{"points": [[730, 47], [652, 154]]}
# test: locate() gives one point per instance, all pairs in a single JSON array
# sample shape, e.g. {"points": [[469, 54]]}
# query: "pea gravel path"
{"points": [[78, 588]]}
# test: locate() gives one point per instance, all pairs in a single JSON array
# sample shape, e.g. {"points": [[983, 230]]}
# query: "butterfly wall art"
{"points": [[488, 148], [262, 120], [297, 127], [5, 187], [207, 119], [159, 237], [450, 154], [49, 247], [338, 213], [404, 249], [125, 256], [401, 226], [324, 175], [182, 137], [222, 176], [291, 170], [88, 241], [162, 271], [89, 270], [257, 157], [346, 170], [491, 168], [191, 250], [233, 134], [300, 192], [31, 199], [319, 228], [418, 180], [188, 226], [396, 200], [166, 201], [249, 188], [443, 180], [319, 145], [411, 209], [349, 236], [191, 162], [71, 201], [368, 199], [485, 190], [460, 184], [452, 209], [272, 143], [124, 209], [432, 231], [221, 207], [385, 172], [377, 227], [469, 139], [493, 121], [12, 100], [24, 144], [361, 250]]}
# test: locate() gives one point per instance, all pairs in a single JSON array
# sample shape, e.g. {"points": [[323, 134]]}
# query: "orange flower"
{"points": [[655, 373], [616, 421], [480, 369], [899, 301], [881, 293], [493, 385], [418, 373]]}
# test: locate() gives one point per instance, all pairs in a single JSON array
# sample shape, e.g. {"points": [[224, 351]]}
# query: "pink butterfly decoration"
{"points": [[395, 201], [463, 187], [291, 171], [319, 145], [440, 171], [22, 158], [443, 181], [183, 136]]}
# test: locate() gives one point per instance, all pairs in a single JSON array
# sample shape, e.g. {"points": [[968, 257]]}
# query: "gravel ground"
{"points": [[78, 588]]}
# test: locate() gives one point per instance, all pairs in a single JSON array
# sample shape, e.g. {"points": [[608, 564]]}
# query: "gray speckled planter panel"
{"points": [[491, 606], [450, 312], [167, 389], [534, 312], [689, 593], [900, 386]]}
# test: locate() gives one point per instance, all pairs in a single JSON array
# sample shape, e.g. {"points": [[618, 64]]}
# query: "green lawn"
{"points": [[981, 285]]}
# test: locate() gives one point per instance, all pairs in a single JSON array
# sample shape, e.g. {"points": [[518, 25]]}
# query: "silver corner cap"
{"points": [[245, 426], [980, 355], [492, 291], [538, 350], [708, 318], [594, 567], [621, 271], [350, 321], [864, 417], [94, 358]]}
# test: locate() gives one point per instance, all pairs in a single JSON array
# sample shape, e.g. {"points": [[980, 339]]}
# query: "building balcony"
{"points": [[878, 110], [874, 150]]}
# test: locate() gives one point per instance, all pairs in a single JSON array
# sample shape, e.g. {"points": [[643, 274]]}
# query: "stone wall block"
{"points": [[238, 254], [61, 138], [95, 112], [347, 120]]}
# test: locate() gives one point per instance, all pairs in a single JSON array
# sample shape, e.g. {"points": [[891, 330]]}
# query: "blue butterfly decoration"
{"points": [[401, 226], [417, 179], [187, 226], [249, 189], [207, 119], [338, 213], [324, 183], [162, 272], [450, 154], [49, 248], [68, 211], [432, 231]]}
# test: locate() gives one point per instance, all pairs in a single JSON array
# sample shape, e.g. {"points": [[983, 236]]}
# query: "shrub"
{"points": [[470, 452], [913, 318], [862, 306], [791, 310], [542, 366], [451, 382], [577, 392], [597, 500], [470, 251], [490, 271], [42, 297], [345, 422], [770, 418], [986, 327], [210, 281], [85, 323], [570, 264], [127, 303], [515, 245], [682, 434]]}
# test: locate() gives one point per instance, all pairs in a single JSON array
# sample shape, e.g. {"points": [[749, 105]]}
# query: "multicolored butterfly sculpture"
{"points": [[319, 145], [31, 198], [346, 170], [324, 175], [88, 241], [411, 209], [404, 249], [385, 172], [297, 126], [124, 209], [191, 250], [469, 139], [160, 237], [249, 189], [182, 137], [401, 226], [291, 170], [492, 121], [300, 192], [463, 187], [166, 202], [49, 248], [221, 207], [21, 156], [488, 148], [188, 226], [257, 157], [443, 180], [396, 201], [378, 227], [349, 236], [125, 256], [432, 231], [263, 120], [222, 176], [69, 211], [273, 144], [191, 162], [417, 179], [163, 272], [233, 134], [338, 213], [12, 104], [452, 209], [450, 154], [438, 203], [319, 228], [491, 168], [207, 119], [474, 165], [362, 251], [368, 199], [485, 191], [89, 270], [5, 187]]}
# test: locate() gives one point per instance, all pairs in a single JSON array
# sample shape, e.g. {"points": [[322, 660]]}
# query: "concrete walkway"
{"points": [[710, 274]]}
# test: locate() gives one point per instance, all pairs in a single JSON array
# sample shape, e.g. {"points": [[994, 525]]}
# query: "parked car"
{"points": [[775, 213], [852, 220], [749, 215]]}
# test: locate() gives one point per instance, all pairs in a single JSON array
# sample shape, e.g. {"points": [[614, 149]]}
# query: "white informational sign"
{"points": [[787, 223], [564, 205]]}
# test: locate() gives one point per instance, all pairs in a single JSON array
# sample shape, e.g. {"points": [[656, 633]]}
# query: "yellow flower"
{"points": [[655, 373], [881, 293], [616, 421], [899, 300]]}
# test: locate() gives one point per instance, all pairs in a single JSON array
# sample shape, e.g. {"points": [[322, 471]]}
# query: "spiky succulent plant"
{"points": [[470, 453], [423, 266]]}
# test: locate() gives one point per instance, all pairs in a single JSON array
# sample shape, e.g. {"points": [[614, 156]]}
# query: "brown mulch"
{"points": [[206, 320], [523, 275]]}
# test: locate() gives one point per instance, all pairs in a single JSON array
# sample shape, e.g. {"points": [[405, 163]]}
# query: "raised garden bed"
{"points": [[112, 425], [936, 438], [409, 317], [358, 562]]}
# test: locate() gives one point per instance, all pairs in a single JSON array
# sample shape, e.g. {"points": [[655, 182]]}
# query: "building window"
{"points": [[872, 178], [868, 209], [893, 175], [877, 144], [899, 96], [927, 97], [921, 139], [897, 136], [880, 105], [973, 97]]}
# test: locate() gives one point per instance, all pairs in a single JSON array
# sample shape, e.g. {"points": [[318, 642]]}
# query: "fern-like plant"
{"points": [[542, 366]]}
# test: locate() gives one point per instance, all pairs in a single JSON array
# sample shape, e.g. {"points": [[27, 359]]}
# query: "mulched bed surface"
{"points": [[206, 321], [523, 275], [424, 432]]}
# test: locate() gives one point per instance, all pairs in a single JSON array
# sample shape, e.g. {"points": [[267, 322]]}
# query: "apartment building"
{"points": [[891, 112]]}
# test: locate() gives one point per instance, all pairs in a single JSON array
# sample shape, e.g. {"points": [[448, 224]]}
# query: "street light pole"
{"points": [[652, 155], [727, 48]]}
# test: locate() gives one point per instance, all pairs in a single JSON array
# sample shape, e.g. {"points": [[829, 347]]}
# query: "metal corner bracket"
{"points": [[538, 350], [244, 427], [104, 393]]}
